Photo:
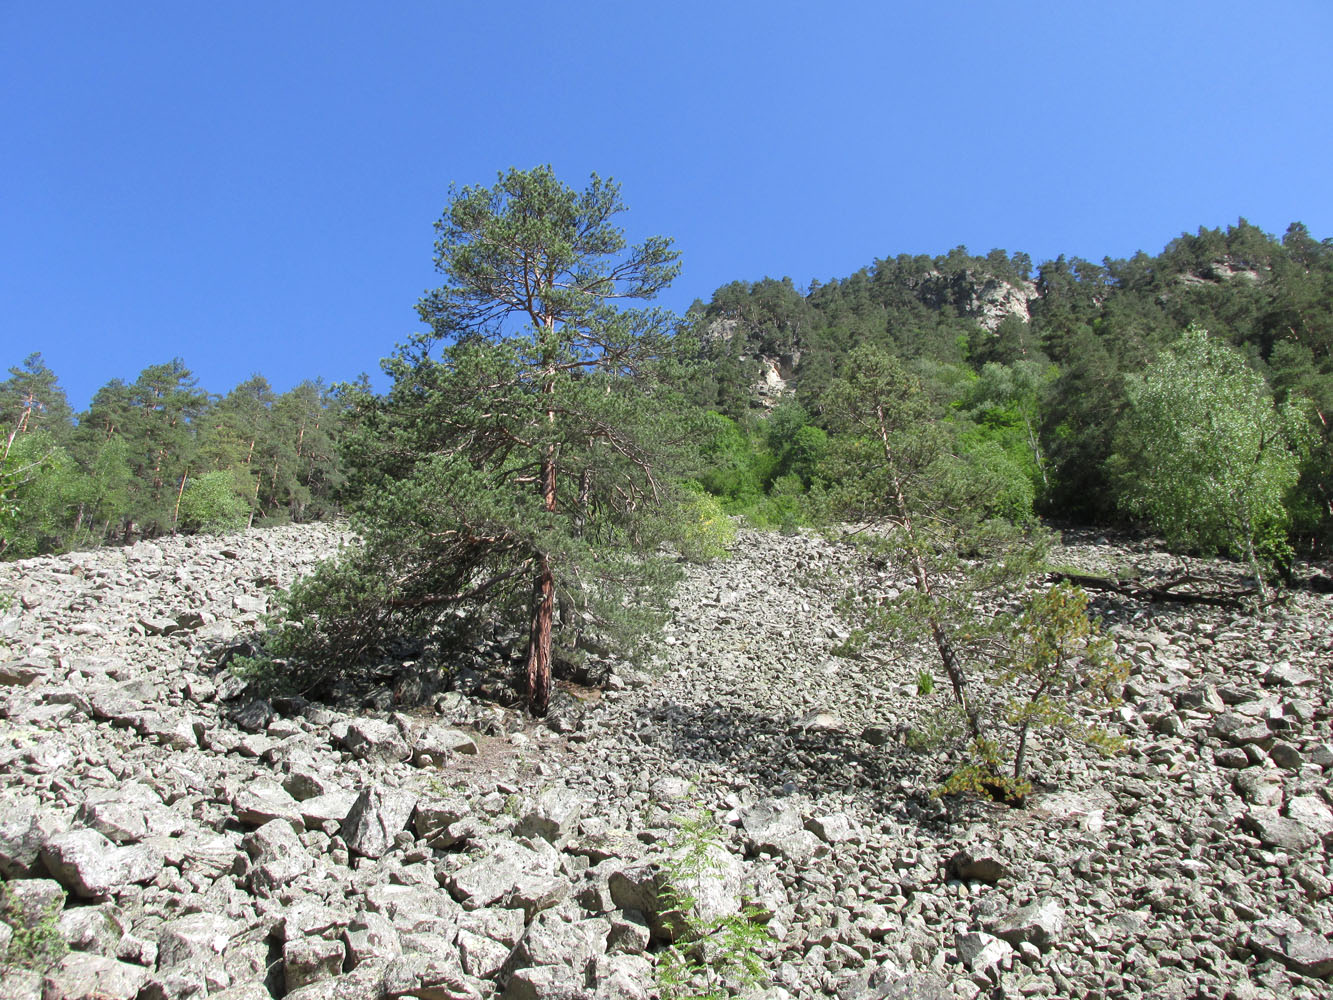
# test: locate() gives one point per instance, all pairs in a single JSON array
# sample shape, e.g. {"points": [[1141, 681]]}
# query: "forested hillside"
{"points": [[156, 456], [1033, 361], [1026, 366]]}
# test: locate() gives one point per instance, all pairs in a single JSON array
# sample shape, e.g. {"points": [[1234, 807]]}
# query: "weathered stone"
{"points": [[370, 738], [428, 977], [548, 982], [1240, 731], [277, 856], [254, 716], [1280, 831], [197, 939], [376, 818], [552, 940], [91, 928], [128, 814], [87, 863], [554, 816], [264, 800], [21, 673], [977, 864], [834, 828], [1284, 938], [434, 817], [434, 744], [1312, 813], [331, 807], [371, 937], [500, 868], [311, 959], [81, 974], [24, 828], [1039, 923], [979, 951], [481, 957]]}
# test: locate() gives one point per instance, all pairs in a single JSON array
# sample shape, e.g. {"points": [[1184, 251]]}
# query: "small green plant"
{"points": [[925, 683], [36, 944], [709, 958]]}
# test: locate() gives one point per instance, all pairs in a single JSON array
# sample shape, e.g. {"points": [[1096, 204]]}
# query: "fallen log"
{"points": [[1163, 591]]}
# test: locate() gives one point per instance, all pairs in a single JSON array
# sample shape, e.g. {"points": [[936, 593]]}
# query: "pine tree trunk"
{"points": [[543, 606], [539, 640], [943, 645]]}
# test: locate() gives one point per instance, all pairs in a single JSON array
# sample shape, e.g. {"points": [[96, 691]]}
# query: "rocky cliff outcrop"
{"points": [[186, 839], [975, 295]]}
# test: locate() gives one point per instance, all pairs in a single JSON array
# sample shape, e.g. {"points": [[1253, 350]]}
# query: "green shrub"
{"points": [[708, 959], [211, 504], [36, 944]]}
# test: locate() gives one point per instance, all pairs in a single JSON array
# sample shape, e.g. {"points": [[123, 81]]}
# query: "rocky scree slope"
{"points": [[186, 839]]}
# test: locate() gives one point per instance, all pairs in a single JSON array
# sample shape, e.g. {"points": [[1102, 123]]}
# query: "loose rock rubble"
{"points": [[186, 838]]}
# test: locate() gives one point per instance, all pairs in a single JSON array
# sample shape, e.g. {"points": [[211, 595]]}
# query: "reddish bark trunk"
{"points": [[539, 641], [543, 608]]}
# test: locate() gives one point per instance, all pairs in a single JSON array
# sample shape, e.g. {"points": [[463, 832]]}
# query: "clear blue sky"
{"points": [[251, 186]]}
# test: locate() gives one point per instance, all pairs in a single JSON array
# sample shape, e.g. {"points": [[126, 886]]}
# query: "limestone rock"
{"points": [[376, 818], [80, 974], [91, 866]]}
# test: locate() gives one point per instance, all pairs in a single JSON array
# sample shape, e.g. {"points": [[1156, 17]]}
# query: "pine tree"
{"points": [[515, 475]]}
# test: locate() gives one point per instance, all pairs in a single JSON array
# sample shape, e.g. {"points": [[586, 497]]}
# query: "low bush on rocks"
{"points": [[35, 942]]}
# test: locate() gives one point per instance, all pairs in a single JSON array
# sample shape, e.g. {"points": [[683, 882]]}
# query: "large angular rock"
{"points": [[371, 937], [197, 939], [553, 940], [434, 819], [546, 982], [129, 814], [1280, 832], [91, 866], [429, 977], [24, 828], [501, 867], [330, 807], [768, 821], [1284, 938], [1312, 813], [1039, 923], [311, 959], [80, 974], [376, 818], [21, 673], [554, 816], [372, 739], [264, 800], [434, 744], [91, 928], [979, 951], [977, 864], [277, 856]]}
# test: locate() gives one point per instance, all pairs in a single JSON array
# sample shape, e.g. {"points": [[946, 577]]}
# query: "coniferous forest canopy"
{"points": [[1041, 377]]}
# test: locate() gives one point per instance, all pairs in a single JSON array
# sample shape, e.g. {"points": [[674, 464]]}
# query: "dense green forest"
{"points": [[1029, 366], [159, 455], [1030, 369]]}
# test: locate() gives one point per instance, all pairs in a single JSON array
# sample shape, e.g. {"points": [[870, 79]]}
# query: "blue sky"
{"points": [[252, 186]]}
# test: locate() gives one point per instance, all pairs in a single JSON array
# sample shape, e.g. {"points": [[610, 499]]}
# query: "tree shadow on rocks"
{"points": [[780, 758]]}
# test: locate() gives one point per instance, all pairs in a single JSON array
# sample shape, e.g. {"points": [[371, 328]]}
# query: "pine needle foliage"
{"points": [[517, 476]]}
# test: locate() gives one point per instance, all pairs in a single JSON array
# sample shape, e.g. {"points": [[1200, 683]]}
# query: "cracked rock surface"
{"points": [[187, 838]]}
